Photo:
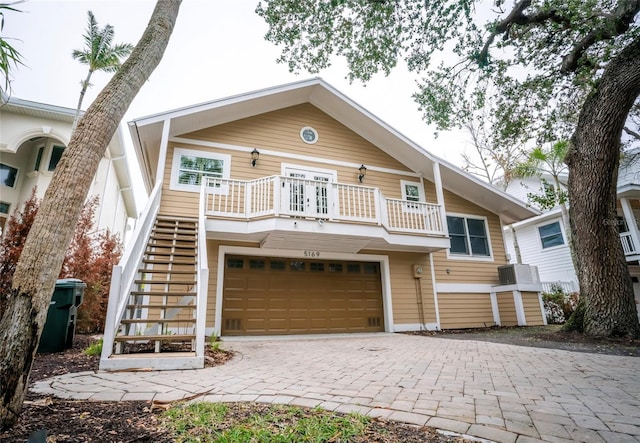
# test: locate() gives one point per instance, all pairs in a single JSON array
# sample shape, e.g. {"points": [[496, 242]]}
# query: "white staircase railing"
{"points": [[202, 278], [125, 272]]}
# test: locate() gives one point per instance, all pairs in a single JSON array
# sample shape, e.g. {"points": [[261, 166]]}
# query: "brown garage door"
{"points": [[265, 296]]}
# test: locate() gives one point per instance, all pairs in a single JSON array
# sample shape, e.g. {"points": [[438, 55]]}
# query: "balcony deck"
{"points": [[288, 212]]}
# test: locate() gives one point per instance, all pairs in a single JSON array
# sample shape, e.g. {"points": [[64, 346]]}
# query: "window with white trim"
{"points": [[190, 166], [56, 155], [468, 236], [412, 191], [8, 175], [36, 166], [551, 235]]}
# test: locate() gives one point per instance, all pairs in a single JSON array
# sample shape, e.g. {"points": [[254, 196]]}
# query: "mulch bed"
{"points": [[550, 337]]}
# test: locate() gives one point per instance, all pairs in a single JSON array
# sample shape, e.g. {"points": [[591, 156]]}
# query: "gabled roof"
{"points": [[147, 133]]}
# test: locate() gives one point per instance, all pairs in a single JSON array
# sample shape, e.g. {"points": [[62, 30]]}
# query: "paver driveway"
{"points": [[498, 392]]}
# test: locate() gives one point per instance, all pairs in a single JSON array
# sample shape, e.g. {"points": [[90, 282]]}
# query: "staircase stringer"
{"points": [[126, 271]]}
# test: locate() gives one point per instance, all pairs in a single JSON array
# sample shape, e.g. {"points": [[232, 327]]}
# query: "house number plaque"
{"points": [[312, 254]]}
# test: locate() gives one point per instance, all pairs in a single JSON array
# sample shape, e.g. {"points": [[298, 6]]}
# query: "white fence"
{"points": [[566, 286]]}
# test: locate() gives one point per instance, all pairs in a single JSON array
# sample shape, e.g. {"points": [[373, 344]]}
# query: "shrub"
{"points": [[553, 311], [94, 349], [90, 258], [558, 305], [16, 231]]}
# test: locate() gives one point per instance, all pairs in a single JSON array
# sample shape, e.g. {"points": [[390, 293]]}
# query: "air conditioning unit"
{"points": [[518, 274]]}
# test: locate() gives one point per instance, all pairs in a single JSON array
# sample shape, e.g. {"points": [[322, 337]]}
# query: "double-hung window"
{"points": [[551, 235], [190, 167], [469, 236]]}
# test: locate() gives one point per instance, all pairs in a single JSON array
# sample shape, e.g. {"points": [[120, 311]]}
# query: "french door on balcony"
{"points": [[306, 193]]}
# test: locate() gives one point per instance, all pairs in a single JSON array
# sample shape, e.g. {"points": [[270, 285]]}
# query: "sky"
{"points": [[217, 49]]}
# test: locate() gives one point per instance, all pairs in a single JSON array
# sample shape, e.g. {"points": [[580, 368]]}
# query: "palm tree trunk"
{"points": [[593, 160], [52, 230], [83, 91]]}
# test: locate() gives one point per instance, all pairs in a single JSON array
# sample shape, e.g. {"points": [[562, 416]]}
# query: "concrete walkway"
{"points": [[493, 391]]}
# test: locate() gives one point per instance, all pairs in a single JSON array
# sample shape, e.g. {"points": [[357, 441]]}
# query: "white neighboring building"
{"points": [[33, 137], [542, 241]]}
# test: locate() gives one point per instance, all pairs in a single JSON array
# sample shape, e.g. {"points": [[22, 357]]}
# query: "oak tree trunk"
{"points": [[43, 253], [593, 159]]}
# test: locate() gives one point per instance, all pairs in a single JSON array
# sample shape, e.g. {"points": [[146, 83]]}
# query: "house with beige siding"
{"points": [[293, 210]]}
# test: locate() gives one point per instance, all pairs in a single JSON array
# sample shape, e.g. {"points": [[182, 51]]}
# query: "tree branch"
{"points": [[631, 132], [616, 24], [518, 17]]}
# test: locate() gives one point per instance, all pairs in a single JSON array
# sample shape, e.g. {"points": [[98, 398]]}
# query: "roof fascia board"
{"points": [[487, 186], [29, 105], [553, 213], [206, 106]]}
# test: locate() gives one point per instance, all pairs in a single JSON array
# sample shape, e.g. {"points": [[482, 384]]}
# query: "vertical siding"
{"points": [[532, 311], [507, 309], [459, 311]]}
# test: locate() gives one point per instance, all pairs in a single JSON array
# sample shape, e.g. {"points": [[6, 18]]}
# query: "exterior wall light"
{"points": [[254, 157], [362, 172]]}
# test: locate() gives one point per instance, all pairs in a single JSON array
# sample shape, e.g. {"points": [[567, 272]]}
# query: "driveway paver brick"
{"points": [[503, 393]]}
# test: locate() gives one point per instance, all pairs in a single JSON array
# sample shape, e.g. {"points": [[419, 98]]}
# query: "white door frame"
{"points": [[383, 260], [310, 192]]}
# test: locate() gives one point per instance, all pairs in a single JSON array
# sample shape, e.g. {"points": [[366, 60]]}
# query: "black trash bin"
{"points": [[60, 327]]}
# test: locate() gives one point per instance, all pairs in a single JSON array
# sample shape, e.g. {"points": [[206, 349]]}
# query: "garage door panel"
{"points": [[255, 303], [290, 296], [256, 284], [277, 304], [234, 283], [298, 304]]}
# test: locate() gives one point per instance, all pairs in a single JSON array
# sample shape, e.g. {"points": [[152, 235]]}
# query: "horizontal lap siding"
{"points": [[279, 131], [555, 263], [532, 311], [507, 309], [471, 271], [459, 311], [405, 289]]}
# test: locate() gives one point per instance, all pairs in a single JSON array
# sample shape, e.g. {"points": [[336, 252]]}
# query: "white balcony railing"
{"points": [[288, 196], [627, 244]]}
